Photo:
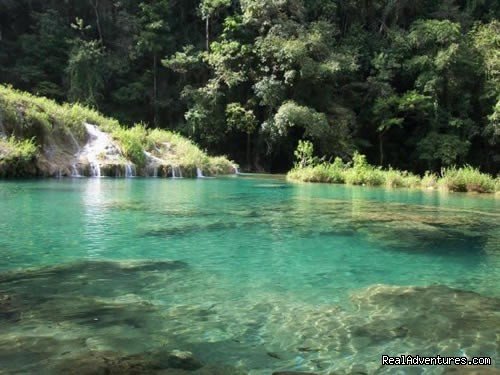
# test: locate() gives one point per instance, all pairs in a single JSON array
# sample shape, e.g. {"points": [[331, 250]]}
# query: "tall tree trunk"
{"points": [[207, 32], [381, 148], [155, 90], [95, 5]]}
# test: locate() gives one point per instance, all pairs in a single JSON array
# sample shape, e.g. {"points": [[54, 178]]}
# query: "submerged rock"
{"points": [[9, 308], [189, 229], [91, 269], [112, 363], [182, 360], [432, 313]]}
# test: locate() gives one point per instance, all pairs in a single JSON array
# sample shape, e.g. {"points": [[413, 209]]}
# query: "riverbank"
{"points": [[41, 138], [359, 172]]}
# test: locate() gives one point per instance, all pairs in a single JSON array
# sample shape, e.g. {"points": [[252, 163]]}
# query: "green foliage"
{"points": [[412, 84], [21, 112], [17, 157], [430, 180], [180, 151], [444, 148], [154, 28], [86, 68], [209, 7], [133, 142], [23, 150], [363, 173], [290, 114], [304, 154], [30, 115], [240, 118], [184, 61], [467, 179]]}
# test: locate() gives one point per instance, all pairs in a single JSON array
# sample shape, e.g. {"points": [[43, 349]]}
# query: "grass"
{"points": [[32, 120], [467, 179], [359, 172], [171, 147], [17, 157]]}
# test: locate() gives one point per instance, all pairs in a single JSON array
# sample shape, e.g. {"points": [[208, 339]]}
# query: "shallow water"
{"points": [[266, 275]]}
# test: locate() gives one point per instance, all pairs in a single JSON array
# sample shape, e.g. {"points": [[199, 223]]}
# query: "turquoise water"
{"points": [[267, 275]]}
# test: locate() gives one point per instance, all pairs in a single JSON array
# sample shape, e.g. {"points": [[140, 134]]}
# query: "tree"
{"points": [[152, 39], [209, 9], [86, 69], [242, 119]]}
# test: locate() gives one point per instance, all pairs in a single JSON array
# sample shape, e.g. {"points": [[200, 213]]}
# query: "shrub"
{"points": [[363, 173], [430, 180], [466, 179], [398, 179], [17, 157], [133, 142]]}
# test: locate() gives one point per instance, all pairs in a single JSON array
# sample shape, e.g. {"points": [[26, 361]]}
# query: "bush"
{"points": [[17, 157], [430, 180], [133, 142], [361, 173], [398, 179], [466, 179]]}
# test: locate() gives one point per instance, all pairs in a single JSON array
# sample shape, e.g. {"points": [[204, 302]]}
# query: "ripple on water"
{"points": [[54, 310], [303, 278]]}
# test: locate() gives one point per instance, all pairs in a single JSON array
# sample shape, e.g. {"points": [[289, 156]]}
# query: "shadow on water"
{"points": [[188, 229], [90, 317]]}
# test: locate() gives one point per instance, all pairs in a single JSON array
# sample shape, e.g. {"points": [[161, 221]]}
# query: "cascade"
{"points": [[95, 168], [199, 173], [129, 170], [99, 148], [153, 163], [176, 172], [75, 142], [74, 171]]}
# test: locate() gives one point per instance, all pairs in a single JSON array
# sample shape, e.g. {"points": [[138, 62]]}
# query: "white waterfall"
{"points": [[75, 142], [95, 147], [129, 171], [99, 148], [176, 172], [199, 173], [95, 168], [74, 171], [236, 170], [154, 162]]}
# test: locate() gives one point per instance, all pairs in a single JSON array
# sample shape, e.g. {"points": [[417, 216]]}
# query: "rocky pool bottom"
{"points": [[243, 276], [90, 317]]}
